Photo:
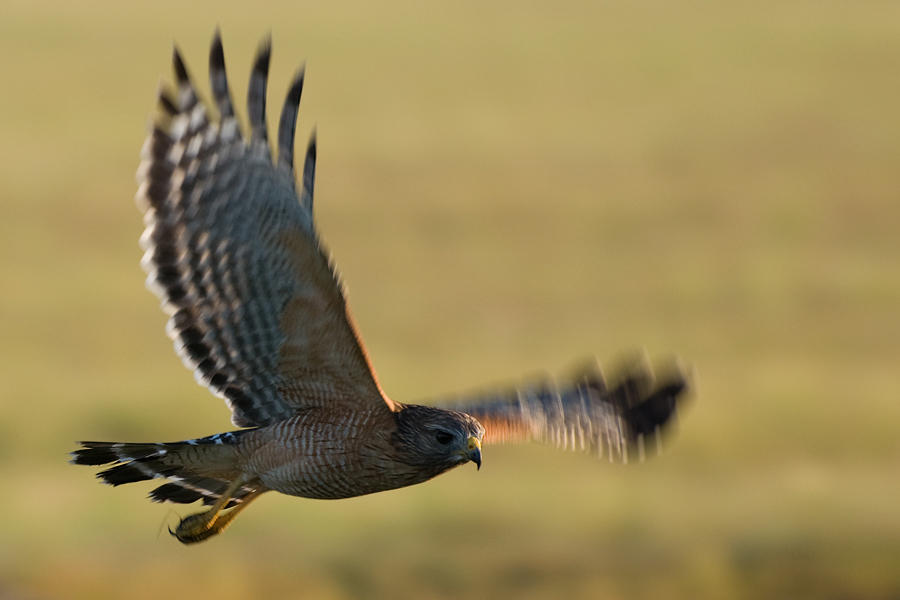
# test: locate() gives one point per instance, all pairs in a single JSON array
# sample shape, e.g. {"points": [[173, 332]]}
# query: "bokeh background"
{"points": [[507, 187]]}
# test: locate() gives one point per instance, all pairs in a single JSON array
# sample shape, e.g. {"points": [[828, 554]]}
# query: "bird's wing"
{"points": [[621, 419], [257, 309]]}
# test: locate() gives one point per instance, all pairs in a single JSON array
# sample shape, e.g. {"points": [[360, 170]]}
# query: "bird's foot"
{"points": [[202, 526]]}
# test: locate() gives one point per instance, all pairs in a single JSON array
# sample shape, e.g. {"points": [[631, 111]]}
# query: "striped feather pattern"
{"points": [[616, 420], [197, 469], [256, 309]]}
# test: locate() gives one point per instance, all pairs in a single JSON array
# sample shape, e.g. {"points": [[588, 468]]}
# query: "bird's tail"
{"points": [[200, 469]]}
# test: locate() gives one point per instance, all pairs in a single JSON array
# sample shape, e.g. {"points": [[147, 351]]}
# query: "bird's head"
{"points": [[435, 440]]}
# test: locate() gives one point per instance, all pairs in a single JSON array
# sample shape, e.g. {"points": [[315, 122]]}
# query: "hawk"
{"points": [[258, 312]]}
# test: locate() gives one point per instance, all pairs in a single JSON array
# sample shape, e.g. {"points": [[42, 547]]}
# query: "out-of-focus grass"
{"points": [[506, 187]]}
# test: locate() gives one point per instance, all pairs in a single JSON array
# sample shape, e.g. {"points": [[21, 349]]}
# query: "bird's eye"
{"points": [[443, 437]]}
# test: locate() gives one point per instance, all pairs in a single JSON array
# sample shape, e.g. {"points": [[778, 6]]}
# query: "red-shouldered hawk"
{"points": [[258, 312]]}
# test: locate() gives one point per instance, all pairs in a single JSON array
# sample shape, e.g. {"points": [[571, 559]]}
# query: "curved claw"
{"points": [[195, 528], [202, 526]]}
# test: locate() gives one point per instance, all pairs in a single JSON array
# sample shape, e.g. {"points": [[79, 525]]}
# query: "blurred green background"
{"points": [[507, 187]]}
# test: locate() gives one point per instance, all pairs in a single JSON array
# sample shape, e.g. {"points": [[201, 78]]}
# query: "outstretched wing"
{"points": [[257, 310], [621, 419]]}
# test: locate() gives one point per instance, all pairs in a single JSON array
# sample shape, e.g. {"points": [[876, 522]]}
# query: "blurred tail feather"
{"points": [[196, 469]]}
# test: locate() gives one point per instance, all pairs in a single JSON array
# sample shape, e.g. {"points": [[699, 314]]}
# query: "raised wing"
{"points": [[257, 310], [622, 419]]}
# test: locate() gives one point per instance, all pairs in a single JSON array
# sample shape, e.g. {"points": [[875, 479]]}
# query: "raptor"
{"points": [[258, 312]]}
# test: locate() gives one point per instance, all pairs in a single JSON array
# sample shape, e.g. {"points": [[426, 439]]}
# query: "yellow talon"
{"points": [[201, 526]]}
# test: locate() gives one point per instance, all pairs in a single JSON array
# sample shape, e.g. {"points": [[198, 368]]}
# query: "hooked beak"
{"points": [[473, 451]]}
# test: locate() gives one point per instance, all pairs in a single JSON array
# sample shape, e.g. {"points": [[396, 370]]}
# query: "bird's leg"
{"points": [[218, 526], [198, 527]]}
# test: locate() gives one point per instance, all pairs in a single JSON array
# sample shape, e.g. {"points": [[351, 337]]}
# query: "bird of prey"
{"points": [[257, 311]]}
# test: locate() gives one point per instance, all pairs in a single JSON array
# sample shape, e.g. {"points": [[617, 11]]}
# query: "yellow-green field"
{"points": [[507, 187]]}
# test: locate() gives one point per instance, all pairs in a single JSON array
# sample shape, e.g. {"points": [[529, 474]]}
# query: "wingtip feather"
{"points": [[256, 92], [288, 122], [178, 64], [311, 146], [263, 57], [217, 52]]}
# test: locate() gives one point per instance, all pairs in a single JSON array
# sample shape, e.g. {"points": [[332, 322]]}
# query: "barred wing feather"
{"points": [[256, 309], [617, 420]]}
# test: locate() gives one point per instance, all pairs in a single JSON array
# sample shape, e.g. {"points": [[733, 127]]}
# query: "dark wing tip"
{"points": [[218, 80], [630, 381], [178, 63], [263, 57], [656, 410], [217, 52], [311, 146], [256, 92], [288, 121], [296, 89], [653, 409], [165, 100], [309, 172]]}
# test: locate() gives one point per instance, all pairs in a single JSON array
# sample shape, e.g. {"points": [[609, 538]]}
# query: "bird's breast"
{"points": [[326, 454]]}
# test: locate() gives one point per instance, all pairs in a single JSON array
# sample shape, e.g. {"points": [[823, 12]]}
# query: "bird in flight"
{"points": [[258, 312]]}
